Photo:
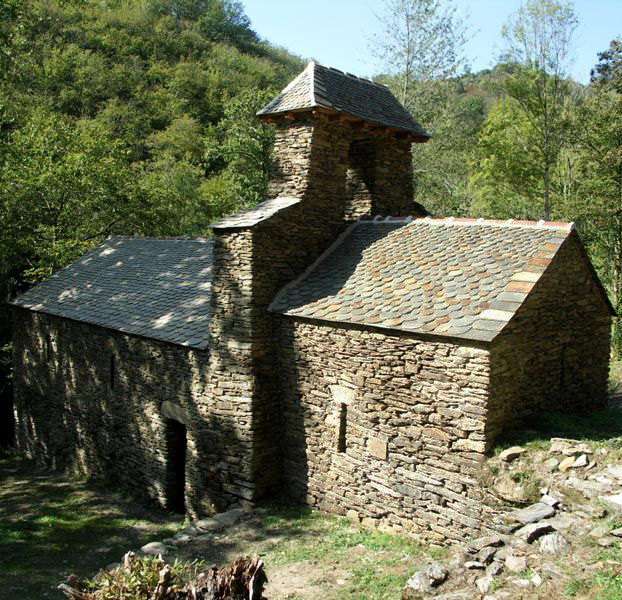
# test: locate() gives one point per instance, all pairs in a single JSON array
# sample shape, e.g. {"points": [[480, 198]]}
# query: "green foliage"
{"points": [[119, 102], [138, 579], [507, 178], [110, 118], [538, 39], [608, 71], [61, 187]]}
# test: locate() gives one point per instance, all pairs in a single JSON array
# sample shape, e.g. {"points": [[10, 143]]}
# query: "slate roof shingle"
{"points": [[324, 87], [155, 288], [255, 215], [451, 277]]}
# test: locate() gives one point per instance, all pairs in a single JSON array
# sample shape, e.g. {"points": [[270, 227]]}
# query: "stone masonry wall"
{"points": [[250, 266], [554, 353], [388, 426], [68, 414], [233, 348], [372, 168]]}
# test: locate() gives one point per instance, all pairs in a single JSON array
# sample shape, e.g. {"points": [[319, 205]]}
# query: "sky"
{"points": [[336, 32]]}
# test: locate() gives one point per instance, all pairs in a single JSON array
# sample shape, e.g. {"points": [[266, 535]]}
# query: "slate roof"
{"points": [[454, 278], [156, 288], [257, 214], [324, 87]]}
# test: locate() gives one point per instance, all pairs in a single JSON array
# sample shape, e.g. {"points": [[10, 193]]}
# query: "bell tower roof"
{"points": [[328, 90]]}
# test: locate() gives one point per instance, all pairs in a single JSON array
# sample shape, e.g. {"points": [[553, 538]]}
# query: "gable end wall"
{"points": [[554, 354]]}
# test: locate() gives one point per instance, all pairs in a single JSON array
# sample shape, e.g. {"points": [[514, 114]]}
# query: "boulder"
{"points": [[154, 548], [553, 543], [209, 525], [230, 517], [484, 584], [494, 568], [485, 555], [511, 453], [530, 533], [514, 564], [474, 546], [425, 580], [532, 514]]}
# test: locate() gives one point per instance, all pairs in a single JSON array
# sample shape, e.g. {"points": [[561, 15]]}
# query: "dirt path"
{"points": [[51, 525]]}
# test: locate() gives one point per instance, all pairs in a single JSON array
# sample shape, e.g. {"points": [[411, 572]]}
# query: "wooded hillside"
{"points": [[125, 117]]}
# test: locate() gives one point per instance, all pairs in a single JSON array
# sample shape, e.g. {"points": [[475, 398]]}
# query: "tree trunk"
{"points": [[547, 192]]}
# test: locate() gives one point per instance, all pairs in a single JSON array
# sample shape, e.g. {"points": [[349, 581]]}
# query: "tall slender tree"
{"points": [[420, 41], [420, 48], [538, 42]]}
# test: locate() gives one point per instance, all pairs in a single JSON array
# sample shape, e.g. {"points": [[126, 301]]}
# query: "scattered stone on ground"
{"points": [[573, 484], [532, 514], [425, 580], [511, 453]]}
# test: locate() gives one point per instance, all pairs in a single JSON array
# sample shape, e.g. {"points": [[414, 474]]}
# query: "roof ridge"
{"points": [[311, 70], [465, 221], [348, 74], [185, 238]]}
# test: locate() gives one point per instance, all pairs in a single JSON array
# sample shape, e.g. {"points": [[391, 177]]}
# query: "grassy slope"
{"points": [[51, 525]]}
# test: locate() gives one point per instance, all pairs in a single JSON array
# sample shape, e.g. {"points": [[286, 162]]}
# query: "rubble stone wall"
{"points": [[252, 264], [388, 426], [554, 353], [371, 168], [76, 411]]}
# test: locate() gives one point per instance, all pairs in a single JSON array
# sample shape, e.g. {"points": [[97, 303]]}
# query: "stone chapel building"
{"points": [[334, 345]]}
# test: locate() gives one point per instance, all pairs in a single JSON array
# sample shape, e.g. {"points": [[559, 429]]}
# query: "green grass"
{"points": [[52, 525], [313, 536], [598, 429]]}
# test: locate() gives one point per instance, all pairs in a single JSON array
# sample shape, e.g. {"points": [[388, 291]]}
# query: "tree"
{"points": [[608, 72], [421, 41], [598, 203], [421, 50], [506, 179], [538, 40]]}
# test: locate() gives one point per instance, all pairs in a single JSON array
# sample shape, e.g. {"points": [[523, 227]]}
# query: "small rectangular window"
{"points": [[343, 416], [48, 347], [112, 371]]}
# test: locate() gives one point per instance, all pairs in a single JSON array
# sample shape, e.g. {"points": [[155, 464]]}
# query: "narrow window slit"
{"points": [[343, 416], [112, 371], [48, 347]]}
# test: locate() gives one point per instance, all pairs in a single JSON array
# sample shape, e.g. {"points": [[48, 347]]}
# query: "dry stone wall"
{"points": [[388, 427], [554, 353], [252, 264], [73, 412], [371, 169]]}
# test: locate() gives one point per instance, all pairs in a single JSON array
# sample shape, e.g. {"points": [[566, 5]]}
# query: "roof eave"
{"points": [[417, 135]]}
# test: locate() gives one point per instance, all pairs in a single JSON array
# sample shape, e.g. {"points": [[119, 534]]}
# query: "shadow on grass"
{"points": [[603, 426], [51, 525]]}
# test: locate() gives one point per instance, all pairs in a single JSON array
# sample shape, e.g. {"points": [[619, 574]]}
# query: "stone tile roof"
{"points": [[455, 278], [257, 214], [156, 288], [327, 88]]}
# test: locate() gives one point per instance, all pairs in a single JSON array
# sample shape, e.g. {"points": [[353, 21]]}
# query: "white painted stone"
{"points": [[342, 394]]}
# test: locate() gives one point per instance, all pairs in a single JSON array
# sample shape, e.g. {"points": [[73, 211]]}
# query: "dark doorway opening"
{"points": [[175, 465]]}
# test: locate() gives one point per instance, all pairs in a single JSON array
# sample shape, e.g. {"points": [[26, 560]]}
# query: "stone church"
{"points": [[334, 345]]}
